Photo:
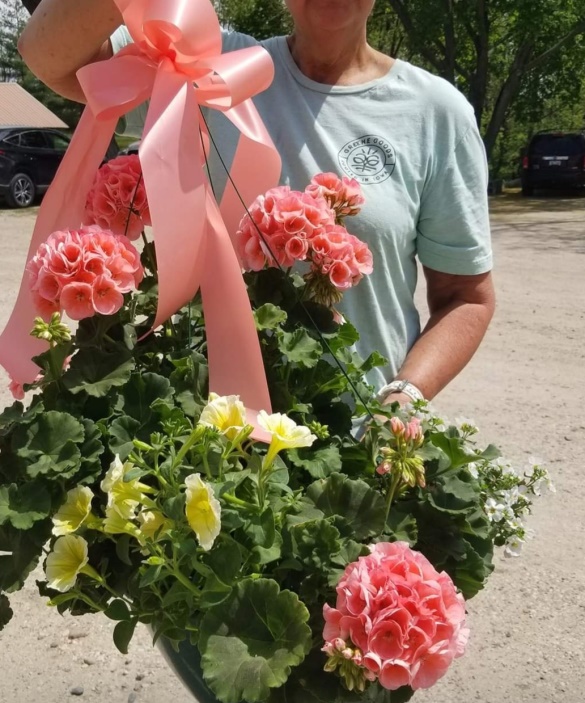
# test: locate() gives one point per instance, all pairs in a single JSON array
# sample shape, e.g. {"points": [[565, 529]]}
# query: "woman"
{"points": [[408, 137]]}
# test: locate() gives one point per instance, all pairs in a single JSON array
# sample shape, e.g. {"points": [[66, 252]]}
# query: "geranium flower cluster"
{"points": [[285, 226], [117, 200], [397, 620], [83, 272]]}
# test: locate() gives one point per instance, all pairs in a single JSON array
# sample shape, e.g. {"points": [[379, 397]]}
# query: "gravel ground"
{"points": [[525, 389]]}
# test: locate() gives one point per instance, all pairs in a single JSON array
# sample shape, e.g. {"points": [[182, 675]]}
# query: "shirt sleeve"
{"points": [[120, 38], [453, 233]]}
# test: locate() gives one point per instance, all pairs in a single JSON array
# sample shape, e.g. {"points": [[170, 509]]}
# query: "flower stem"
{"points": [[238, 503], [394, 485]]}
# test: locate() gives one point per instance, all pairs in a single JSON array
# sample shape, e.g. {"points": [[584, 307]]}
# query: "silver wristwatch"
{"points": [[400, 386]]}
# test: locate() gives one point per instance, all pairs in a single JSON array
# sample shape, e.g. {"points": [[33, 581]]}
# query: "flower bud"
{"points": [[397, 427], [383, 468]]}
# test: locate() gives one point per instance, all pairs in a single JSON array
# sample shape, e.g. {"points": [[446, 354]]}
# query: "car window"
{"points": [[558, 145], [33, 140], [13, 140], [57, 141]]}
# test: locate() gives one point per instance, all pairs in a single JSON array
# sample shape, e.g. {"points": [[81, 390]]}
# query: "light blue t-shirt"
{"points": [[412, 142]]}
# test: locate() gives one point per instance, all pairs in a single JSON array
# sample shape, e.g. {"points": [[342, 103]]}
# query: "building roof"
{"points": [[20, 109]]}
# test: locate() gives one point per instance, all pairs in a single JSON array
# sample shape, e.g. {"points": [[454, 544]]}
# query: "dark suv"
{"points": [[552, 160], [29, 159]]}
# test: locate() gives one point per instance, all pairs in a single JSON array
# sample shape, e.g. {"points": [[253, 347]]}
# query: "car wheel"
{"points": [[527, 191], [22, 191]]}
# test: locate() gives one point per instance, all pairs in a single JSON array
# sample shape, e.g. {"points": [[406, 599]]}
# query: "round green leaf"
{"points": [[361, 507], [250, 642]]}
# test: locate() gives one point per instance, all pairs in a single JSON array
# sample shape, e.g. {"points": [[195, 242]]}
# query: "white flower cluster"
{"points": [[507, 493], [507, 498]]}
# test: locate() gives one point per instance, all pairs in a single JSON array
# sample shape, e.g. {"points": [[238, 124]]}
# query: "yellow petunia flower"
{"points": [[124, 496], [286, 434], [226, 414], [74, 512], [116, 524], [203, 511], [153, 523], [67, 560]]}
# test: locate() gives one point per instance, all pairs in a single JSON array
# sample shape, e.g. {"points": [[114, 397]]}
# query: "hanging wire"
{"points": [[298, 299]]}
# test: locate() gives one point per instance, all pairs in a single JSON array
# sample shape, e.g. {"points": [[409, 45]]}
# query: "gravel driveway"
{"points": [[526, 391]]}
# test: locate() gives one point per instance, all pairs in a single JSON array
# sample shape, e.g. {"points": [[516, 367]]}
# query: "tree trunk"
{"points": [[450, 43], [508, 93], [478, 84]]}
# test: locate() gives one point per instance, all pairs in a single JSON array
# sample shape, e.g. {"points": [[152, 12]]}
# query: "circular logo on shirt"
{"points": [[368, 159]]}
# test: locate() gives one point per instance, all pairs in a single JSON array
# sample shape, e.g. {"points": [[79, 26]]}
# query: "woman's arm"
{"points": [[461, 308], [64, 35]]}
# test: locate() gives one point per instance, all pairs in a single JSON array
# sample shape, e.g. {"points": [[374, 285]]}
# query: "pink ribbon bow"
{"points": [[176, 62]]}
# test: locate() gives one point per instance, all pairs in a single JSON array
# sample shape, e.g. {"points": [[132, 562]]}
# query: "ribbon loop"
{"points": [[176, 42]]}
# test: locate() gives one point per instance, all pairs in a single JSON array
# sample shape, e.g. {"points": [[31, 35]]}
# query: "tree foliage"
{"points": [[258, 18], [505, 55]]}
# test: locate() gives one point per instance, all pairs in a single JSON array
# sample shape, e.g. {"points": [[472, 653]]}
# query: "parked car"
{"points": [[29, 159], [554, 160]]}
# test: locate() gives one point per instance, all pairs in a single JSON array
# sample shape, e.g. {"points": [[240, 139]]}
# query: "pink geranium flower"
{"points": [[284, 226], [106, 298], [402, 621], [83, 272], [117, 200], [77, 300], [344, 195]]}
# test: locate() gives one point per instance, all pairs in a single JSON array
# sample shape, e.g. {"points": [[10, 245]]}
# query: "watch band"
{"points": [[400, 386]]}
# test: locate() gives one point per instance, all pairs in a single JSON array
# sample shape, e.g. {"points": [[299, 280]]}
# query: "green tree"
{"points": [[258, 18], [498, 51]]}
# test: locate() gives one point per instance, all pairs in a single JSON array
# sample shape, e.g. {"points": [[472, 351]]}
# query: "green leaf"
{"points": [[95, 372], [269, 317], [142, 391], [315, 543], [319, 463], [5, 611], [374, 360], [454, 494], [190, 381], [150, 575], [401, 526], [300, 348], [16, 413], [123, 431], [362, 507], [117, 610], [303, 511], [346, 336], [24, 505], [350, 551], [491, 453], [177, 593], [262, 537], [123, 633], [250, 642], [91, 450], [23, 550], [49, 444]]}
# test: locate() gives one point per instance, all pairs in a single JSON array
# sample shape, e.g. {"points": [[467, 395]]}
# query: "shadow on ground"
{"points": [[520, 222]]}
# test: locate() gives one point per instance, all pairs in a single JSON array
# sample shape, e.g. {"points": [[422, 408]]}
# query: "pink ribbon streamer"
{"points": [[176, 62]]}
